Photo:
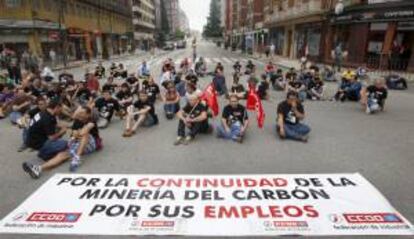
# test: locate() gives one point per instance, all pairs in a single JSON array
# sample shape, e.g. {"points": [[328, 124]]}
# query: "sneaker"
{"points": [[187, 140], [305, 139], [22, 148], [368, 111], [33, 170], [238, 140], [178, 141], [74, 164]]}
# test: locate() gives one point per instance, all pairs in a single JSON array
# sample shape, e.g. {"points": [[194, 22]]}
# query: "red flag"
{"points": [[210, 96], [254, 103]]}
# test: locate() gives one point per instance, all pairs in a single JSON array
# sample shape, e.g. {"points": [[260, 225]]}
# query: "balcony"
{"points": [[139, 22], [300, 9]]}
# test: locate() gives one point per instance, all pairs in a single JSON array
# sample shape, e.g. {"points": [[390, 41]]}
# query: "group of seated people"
{"points": [[46, 110]]}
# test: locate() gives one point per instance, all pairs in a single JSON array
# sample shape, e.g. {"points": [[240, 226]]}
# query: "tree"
{"points": [[179, 34], [213, 27]]}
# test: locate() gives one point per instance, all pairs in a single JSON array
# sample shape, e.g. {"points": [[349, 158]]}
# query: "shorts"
{"points": [[51, 148], [89, 148]]}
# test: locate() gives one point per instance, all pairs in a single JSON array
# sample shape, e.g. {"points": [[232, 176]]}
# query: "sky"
{"points": [[197, 12]]}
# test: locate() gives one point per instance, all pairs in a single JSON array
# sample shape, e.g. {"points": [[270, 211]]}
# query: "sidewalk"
{"points": [[287, 63], [114, 58]]}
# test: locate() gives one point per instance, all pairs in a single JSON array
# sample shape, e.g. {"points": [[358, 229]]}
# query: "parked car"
{"points": [[181, 44], [169, 46]]}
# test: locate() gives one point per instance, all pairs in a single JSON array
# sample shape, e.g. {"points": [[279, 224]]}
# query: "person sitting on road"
{"points": [[289, 114], [110, 85], [82, 94], [234, 121], [278, 81], [185, 65], [263, 88], [180, 84], [133, 83], [250, 68], [237, 88], [296, 85], [270, 69], [315, 89], [219, 82], [201, 67], [65, 77], [152, 89], [349, 88], [219, 67], [193, 117], [144, 70], [141, 113], [44, 135], [24, 121], [121, 71], [373, 97], [85, 138], [171, 100], [124, 96], [113, 70], [106, 106], [16, 108], [291, 74], [92, 83], [396, 82], [100, 71], [237, 67]]}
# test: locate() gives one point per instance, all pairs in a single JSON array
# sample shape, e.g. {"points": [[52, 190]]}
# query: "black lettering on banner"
{"points": [[342, 182], [310, 182], [115, 210], [279, 194], [80, 181], [122, 182], [169, 211]]}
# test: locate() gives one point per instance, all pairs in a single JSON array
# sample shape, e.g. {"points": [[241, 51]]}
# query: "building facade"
{"points": [[184, 22], [172, 9], [75, 29], [377, 34], [144, 20]]}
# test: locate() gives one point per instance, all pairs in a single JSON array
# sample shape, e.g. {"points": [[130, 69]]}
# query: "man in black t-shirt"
{"points": [[152, 90], [315, 89], [289, 114], [44, 135], [374, 96], [141, 113], [106, 106], [193, 117], [234, 121]]}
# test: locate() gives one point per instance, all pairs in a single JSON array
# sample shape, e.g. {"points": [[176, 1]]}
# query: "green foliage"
{"points": [[213, 28]]}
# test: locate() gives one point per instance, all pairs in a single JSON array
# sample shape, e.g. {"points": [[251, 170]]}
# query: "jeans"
{"points": [[195, 128], [373, 105], [302, 95], [51, 148], [171, 108], [14, 116], [25, 132], [235, 131], [296, 131]]}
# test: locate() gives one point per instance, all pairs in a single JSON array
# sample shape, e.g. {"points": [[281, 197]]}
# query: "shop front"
{"points": [[378, 36], [308, 40]]}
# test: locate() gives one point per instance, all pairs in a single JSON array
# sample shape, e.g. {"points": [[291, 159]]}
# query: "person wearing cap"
{"points": [[193, 118], [349, 88], [373, 97]]}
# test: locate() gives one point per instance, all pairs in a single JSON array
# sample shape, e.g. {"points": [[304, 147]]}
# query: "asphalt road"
{"points": [[343, 140]]}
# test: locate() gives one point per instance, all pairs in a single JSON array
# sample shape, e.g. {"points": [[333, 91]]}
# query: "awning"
{"points": [[396, 11]]}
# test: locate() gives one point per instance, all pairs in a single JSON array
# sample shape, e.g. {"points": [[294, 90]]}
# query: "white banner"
{"points": [[215, 205]]}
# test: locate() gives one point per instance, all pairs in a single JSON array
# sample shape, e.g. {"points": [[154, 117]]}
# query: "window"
{"points": [[13, 3]]}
